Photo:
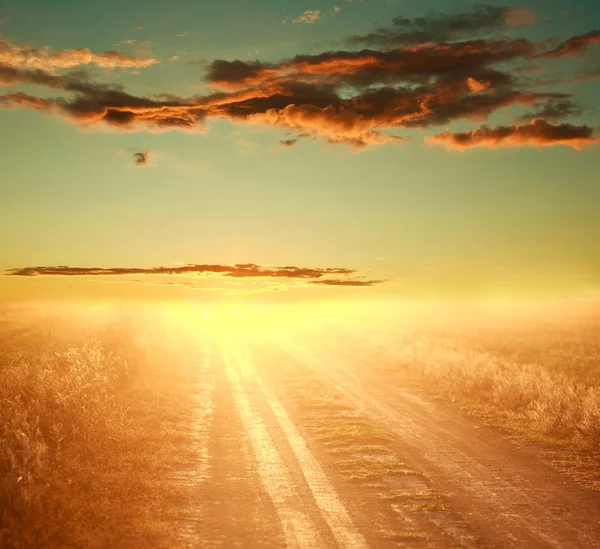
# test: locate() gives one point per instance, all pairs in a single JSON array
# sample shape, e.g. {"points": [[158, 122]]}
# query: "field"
{"points": [[121, 428], [534, 369], [92, 416]]}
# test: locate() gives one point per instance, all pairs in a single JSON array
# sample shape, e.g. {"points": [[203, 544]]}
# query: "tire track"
{"points": [[300, 532], [516, 510], [196, 472]]}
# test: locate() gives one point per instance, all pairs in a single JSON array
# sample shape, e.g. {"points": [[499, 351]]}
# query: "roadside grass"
{"points": [[362, 449], [536, 372], [549, 406], [335, 430], [89, 430], [367, 470], [407, 496], [400, 535]]}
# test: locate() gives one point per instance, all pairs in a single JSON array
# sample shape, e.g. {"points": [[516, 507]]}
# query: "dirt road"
{"points": [[305, 449]]}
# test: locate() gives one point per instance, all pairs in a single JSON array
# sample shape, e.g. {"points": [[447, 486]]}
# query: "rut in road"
{"points": [[312, 451], [299, 530], [508, 497], [313, 503]]}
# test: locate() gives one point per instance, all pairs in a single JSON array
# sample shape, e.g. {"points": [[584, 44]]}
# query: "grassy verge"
{"points": [[550, 406], [89, 432], [539, 378]]}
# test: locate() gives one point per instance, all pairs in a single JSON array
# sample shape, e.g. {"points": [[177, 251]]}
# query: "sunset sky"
{"points": [[299, 149]]}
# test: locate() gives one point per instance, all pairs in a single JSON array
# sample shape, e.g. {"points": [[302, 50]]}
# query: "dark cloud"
{"points": [[442, 27], [141, 158], [536, 134], [248, 270], [574, 45], [367, 67], [228, 72], [553, 110], [441, 69], [287, 143], [100, 103], [192, 276], [338, 282], [411, 87]]}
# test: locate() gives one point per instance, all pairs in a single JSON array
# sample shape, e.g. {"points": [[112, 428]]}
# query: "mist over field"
{"points": [[122, 424]]}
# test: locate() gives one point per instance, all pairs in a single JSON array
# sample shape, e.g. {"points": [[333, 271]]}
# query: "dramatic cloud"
{"points": [[248, 270], [408, 87], [574, 45], [360, 69], [98, 103], [335, 125], [337, 282], [237, 73], [553, 110], [141, 158], [477, 86], [420, 73], [441, 27], [537, 134], [203, 277], [14, 55]]}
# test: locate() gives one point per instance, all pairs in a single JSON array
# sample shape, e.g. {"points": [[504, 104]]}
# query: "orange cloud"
{"points": [[306, 108], [536, 134], [245, 270], [357, 98], [335, 125], [357, 283], [366, 67], [554, 109], [14, 55], [100, 103], [250, 277], [477, 86], [574, 45]]}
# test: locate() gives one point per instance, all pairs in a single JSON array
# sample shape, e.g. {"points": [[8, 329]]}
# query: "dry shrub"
{"points": [[85, 447], [544, 378], [551, 403], [588, 429]]}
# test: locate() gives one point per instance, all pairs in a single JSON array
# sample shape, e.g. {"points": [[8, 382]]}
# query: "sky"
{"points": [[293, 150]]}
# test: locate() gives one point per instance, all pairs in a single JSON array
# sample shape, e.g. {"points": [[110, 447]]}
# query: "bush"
{"points": [[86, 446]]}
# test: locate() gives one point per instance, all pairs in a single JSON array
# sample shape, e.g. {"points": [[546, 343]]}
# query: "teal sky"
{"points": [[428, 219]]}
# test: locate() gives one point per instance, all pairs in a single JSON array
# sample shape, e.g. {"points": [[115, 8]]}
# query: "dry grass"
{"points": [[541, 372], [89, 431], [550, 404], [365, 469]]}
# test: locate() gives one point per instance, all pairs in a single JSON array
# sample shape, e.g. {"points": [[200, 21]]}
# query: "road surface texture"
{"points": [[302, 449]]}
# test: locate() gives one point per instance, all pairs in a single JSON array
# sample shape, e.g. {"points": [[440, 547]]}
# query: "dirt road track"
{"points": [[366, 464]]}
